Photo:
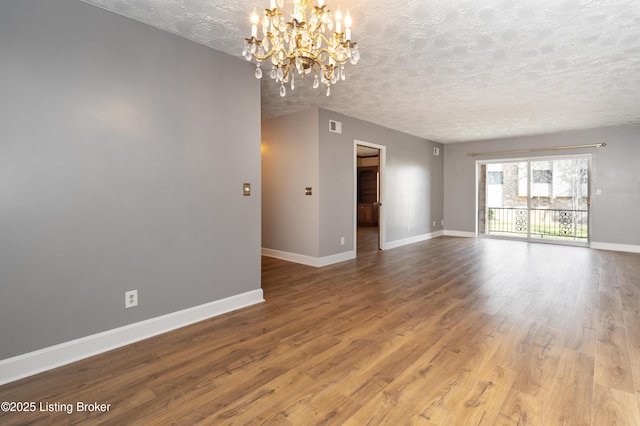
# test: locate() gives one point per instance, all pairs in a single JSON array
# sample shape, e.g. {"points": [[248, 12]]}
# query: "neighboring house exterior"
{"points": [[559, 197], [556, 184]]}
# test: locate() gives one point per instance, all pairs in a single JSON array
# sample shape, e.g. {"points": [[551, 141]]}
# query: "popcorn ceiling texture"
{"points": [[451, 70]]}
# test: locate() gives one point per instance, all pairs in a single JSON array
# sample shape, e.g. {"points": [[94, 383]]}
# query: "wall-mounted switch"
{"points": [[307, 190], [436, 151], [246, 189]]}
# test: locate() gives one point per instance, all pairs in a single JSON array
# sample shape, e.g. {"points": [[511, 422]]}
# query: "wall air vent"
{"points": [[335, 126]]}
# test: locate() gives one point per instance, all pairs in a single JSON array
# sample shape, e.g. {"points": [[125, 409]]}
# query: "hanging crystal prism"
{"points": [[355, 56]]}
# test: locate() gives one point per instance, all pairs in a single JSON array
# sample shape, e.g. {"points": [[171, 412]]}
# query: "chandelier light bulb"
{"points": [[347, 24], [254, 23], [303, 42]]}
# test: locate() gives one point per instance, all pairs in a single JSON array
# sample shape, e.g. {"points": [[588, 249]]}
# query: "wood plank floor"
{"points": [[449, 331]]}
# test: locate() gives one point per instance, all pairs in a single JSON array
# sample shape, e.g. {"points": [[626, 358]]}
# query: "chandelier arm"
{"points": [[332, 55], [292, 55], [263, 57], [328, 42], [327, 71]]}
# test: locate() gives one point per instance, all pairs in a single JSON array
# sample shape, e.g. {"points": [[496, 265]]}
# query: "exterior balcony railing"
{"points": [[543, 223]]}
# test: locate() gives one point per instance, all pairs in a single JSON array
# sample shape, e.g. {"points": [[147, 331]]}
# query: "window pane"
{"points": [[494, 178], [542, 176]]}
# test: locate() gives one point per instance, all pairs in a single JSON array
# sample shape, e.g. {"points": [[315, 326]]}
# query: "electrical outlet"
{"points": [[131, 298], [341, 241], [434, 223]]}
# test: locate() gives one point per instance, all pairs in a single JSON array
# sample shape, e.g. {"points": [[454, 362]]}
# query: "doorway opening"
{"points": [[536, 199], [369, 219]]}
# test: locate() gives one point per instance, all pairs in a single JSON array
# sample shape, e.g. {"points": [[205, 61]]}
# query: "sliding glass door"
{"points": [[535, 199]]}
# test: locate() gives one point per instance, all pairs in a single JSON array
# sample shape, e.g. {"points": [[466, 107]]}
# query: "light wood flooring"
{"points": [[449, 331]]}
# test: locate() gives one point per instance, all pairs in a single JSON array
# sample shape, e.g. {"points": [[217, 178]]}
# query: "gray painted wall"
{"points": [[414, 182], [614, 214], [289, 165], [123, 150], [414, 190], [294, 157]]}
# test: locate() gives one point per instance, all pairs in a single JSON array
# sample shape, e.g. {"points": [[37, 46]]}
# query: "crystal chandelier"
{"points": [[311, 41]]}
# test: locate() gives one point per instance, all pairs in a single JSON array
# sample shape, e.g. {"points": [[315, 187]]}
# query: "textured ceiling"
{"points": [[451, 70]]}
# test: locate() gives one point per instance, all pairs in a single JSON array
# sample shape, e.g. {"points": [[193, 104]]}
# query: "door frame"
{"points": [[382, 236], [588, 157]]}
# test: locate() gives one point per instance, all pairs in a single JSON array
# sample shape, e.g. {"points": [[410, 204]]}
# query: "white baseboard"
{"points": [[412, 240], [615, 247], [336, 258], [464, 234], [31, 363], [309, 260]]}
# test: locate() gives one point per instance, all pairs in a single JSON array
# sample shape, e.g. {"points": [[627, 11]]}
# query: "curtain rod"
{"points": [[555, 148]]}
